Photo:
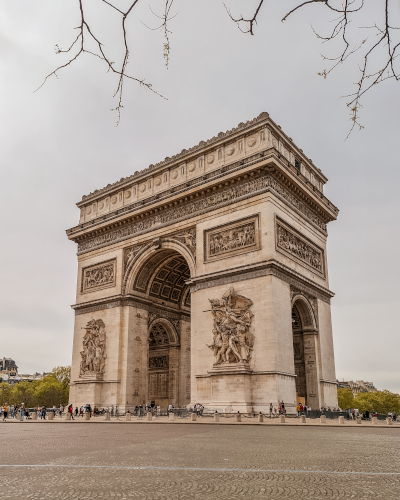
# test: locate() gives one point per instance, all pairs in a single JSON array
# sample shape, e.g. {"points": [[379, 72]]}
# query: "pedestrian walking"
{"points": [[70, 411], [5, 411], [22, 412]]}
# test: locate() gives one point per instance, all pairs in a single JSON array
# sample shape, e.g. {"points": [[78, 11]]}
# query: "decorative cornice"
{"points": [[266, 268], [130, 301], [252, 372], [328, 381], [324, 206], [261, 120], [187, 210]]}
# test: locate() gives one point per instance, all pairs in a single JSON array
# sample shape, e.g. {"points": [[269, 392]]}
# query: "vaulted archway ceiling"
{"points": [[169, 281], [163, 276]]}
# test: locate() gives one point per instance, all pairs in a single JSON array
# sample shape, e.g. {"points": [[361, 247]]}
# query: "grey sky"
{"points": [[60, 143]]}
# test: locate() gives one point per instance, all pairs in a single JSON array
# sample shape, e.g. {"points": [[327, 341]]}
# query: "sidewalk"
{"points": [[290, 422]]}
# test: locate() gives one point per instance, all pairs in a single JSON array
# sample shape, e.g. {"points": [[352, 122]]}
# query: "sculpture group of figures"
{"points": [[101, 275], [231, 239], [289, 242], [232, 340], [93, 356]]}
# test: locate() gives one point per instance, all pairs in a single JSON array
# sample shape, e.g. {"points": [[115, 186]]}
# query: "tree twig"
{"points": [[86, 31]]}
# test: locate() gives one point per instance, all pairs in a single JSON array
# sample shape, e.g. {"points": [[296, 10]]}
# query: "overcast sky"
{"points": [[60, 143]]}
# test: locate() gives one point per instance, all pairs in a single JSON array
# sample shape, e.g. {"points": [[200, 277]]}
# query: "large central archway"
{"points": [[157, 276]]}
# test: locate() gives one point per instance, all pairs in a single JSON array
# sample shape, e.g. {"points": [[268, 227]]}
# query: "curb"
{"points": [[262, 424]]}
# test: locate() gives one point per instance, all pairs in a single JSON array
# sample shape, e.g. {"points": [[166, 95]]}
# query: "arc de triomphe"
{"points": [[204, 278]]}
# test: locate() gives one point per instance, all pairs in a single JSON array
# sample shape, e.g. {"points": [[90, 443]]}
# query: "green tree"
{"points": [[345, 398], [380, 401], [5, 393], [23, 392], [49, 392], [63, 375]]}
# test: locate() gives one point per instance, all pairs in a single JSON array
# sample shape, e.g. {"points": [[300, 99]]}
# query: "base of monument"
{"points": [[230, 368], [226, 388], [233, 387], [90, 377]]}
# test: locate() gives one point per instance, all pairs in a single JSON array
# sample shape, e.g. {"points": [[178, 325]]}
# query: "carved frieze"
{"points": [[297, 247], [232, 340], [232, 239], [93, 355], [98, 276], [209, 202], [159, 362]]}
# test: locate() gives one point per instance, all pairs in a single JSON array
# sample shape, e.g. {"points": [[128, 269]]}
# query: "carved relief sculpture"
{"points": [[129, 254], [159, 362], [98, 276], [232, 340], [93, 356], [189, 239], [296, 246], [230, 239]]}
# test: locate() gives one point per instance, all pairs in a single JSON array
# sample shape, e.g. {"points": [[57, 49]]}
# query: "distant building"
{"points": [[8, 367], [9, 373], [21, 378], [357, 386]]}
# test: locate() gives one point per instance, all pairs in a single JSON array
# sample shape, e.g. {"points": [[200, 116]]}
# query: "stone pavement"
{"points": [[198, 461]]}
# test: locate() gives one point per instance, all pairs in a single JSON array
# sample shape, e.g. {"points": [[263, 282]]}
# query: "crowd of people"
{"points": [[353, 413], [22, 412]]}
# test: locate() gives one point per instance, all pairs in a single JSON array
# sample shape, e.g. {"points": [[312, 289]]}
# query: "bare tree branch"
{"points": [[251, 22], [377, 60], [85, 30], [369, 77], [163, 26]]}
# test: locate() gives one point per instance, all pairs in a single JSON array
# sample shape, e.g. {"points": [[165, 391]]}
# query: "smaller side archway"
{"points": [[305, 311], [163, 363], [304, 329]]}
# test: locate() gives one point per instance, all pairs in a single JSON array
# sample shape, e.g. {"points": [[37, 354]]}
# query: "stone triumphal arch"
{"points": [[204, 278]]}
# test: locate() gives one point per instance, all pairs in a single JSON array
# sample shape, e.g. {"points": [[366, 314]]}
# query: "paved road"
{"points": [[178, 449]]}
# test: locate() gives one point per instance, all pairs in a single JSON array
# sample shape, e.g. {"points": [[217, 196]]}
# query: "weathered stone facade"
{"points": [[208, 275]]}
